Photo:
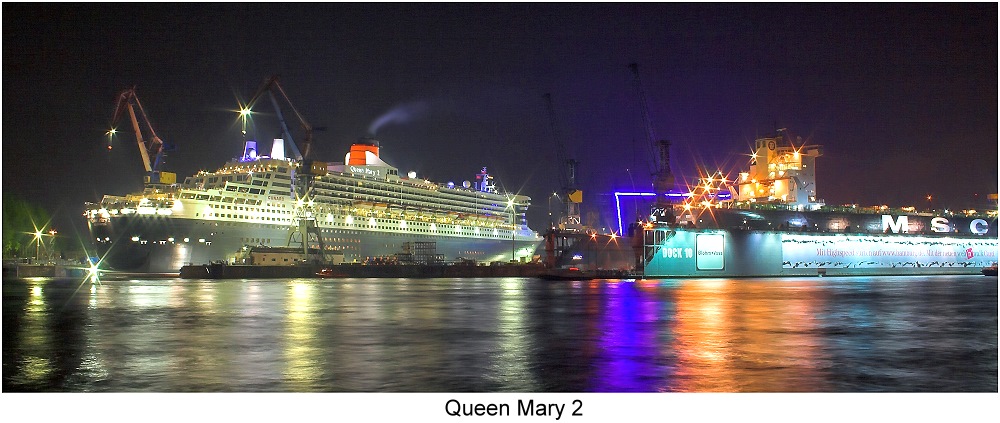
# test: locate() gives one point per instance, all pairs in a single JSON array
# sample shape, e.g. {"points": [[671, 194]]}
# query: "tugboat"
{"points": [[990, 270], [327, 272]]}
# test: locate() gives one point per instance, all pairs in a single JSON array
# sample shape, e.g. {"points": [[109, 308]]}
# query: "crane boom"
{"points": [[270, 86], [647, 122], [152, 146]]}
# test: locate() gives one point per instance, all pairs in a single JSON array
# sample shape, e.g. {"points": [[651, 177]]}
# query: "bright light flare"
{"points": [[244, 113]]}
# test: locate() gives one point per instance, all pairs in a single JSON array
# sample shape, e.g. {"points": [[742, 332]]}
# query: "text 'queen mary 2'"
{"points": [[361, 208]]}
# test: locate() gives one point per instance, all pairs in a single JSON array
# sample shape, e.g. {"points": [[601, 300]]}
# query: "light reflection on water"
{"points": [[936, 334]]}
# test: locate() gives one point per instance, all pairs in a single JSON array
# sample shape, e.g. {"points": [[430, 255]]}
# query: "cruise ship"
{"points": [[360, 209]]}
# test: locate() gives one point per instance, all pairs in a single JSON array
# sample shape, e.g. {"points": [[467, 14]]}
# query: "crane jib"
{"points": [[151, 147]]}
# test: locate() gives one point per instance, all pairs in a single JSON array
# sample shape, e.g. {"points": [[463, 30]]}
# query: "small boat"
{"points": [[990, 270], [327, 272]]}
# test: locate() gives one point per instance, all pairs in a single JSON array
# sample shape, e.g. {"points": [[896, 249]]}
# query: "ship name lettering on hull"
{"points": [[938, 224], [366, 171]]}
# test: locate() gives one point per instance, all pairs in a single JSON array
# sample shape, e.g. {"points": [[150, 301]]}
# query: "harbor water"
{"points": [[850, 334]]}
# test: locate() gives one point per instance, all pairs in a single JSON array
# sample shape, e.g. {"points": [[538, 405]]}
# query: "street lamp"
{"points": [[38, 242]]}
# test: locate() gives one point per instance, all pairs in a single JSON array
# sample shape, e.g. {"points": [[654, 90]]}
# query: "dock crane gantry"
{"points": [[151, 146]]}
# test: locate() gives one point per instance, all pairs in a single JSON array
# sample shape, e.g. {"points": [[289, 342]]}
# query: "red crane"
{"points": [[149, 146]]}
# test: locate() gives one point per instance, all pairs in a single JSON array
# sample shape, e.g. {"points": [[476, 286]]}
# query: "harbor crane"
{"points": [[663, 178], [569, 235], [270, 86], [571, 196], [306, 233], [149, 146]]}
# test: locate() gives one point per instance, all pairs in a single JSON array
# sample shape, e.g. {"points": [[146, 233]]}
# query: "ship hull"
{"points": [[764, 243], [740, 253], [162, 244]]}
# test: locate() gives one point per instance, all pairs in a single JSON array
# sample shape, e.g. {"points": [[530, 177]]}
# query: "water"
{"points": [[857, 334]]}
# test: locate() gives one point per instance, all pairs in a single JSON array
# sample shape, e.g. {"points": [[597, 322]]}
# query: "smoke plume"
{"points": [[403, 113]]}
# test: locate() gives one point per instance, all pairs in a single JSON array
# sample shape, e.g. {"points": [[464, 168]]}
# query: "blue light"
{"points": [[249, 152], [618, 206]]}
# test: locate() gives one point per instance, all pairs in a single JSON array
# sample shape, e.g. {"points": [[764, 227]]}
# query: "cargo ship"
{"points": [[769, 222], [362, 210]]}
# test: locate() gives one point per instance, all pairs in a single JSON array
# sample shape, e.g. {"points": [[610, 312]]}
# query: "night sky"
{"points": [[903, 97]]}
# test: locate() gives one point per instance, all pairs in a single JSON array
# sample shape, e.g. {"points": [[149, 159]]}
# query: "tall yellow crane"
{"points": [[151, 148]]}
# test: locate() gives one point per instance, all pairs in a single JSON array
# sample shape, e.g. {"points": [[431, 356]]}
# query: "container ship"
{"points": [[360, 210], [770, 222]]}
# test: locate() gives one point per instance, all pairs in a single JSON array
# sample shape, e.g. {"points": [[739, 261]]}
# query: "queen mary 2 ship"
{"points": [[361, 208]]}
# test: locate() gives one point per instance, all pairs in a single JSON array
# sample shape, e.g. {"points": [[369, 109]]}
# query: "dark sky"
{"points": [[903, 97]]}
